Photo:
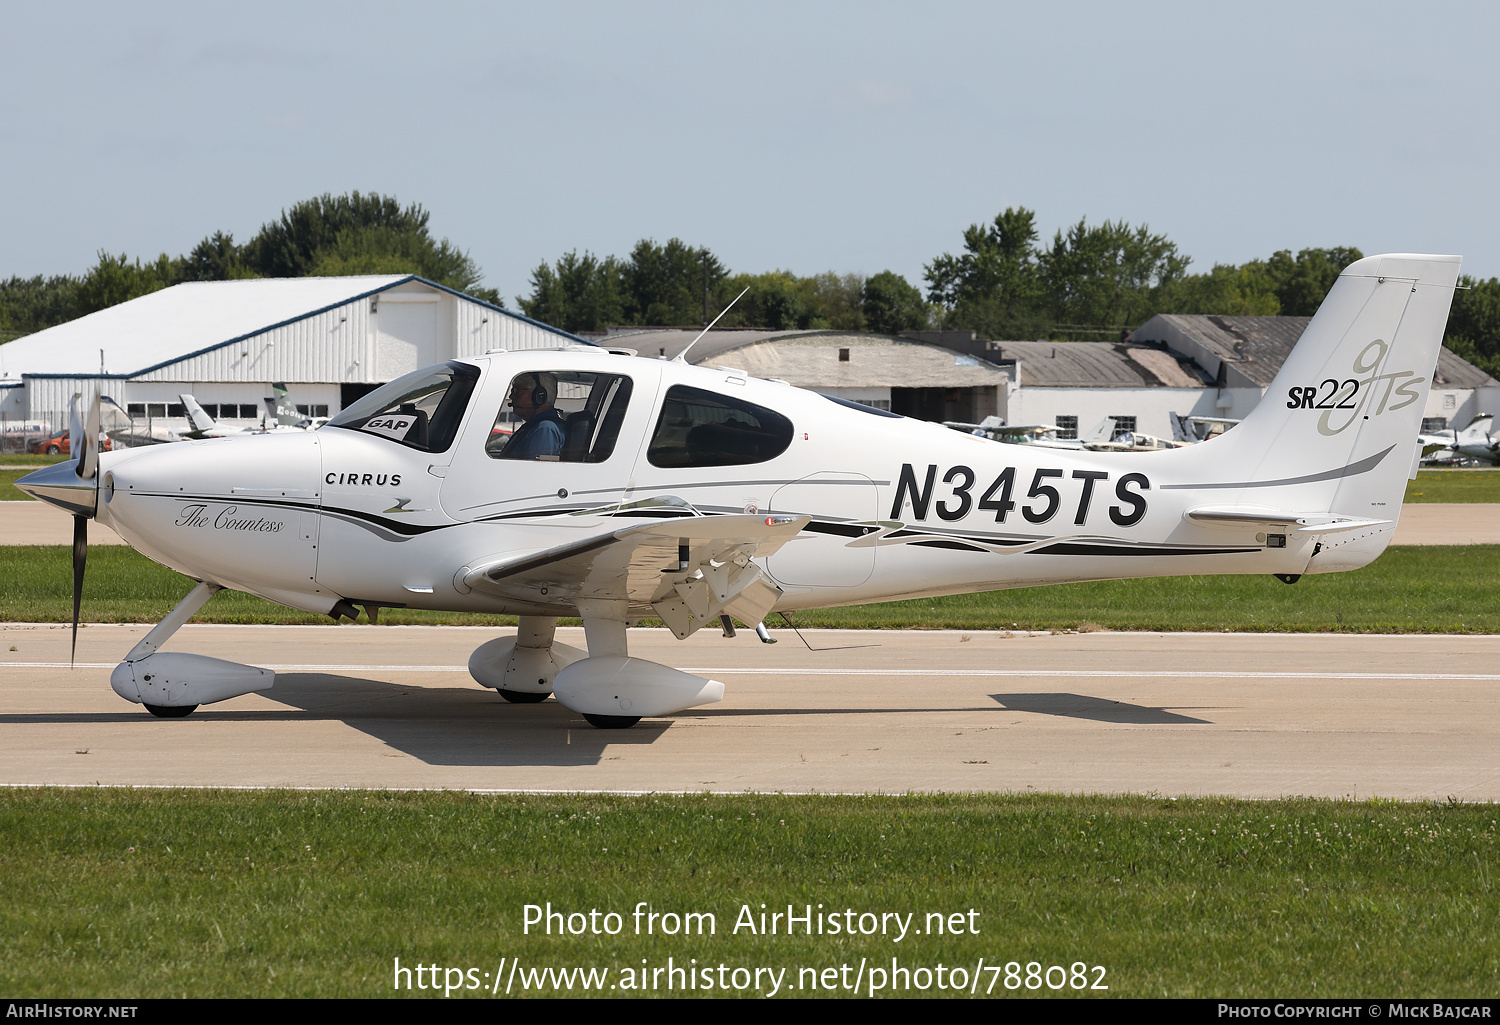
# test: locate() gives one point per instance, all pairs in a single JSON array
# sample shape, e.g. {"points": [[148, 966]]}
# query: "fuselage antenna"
{"points": [[682, 356]]}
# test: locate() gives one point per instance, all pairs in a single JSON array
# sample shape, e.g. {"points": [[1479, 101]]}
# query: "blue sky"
{"points": [[807, 136]]}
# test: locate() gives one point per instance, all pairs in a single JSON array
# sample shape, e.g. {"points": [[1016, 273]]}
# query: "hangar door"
{"points": [[405, 336]]}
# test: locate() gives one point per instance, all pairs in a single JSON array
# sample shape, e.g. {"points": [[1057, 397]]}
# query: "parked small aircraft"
{"points": [[1193, 429], [637, 487], [1474, 443], [281, 415], [1135, 441], [1040, 435]]}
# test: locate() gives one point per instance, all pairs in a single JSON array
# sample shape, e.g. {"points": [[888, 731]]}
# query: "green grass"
{"points": [[1407, 590], [27, 459], [8, 490], [1466, 485], [229, 894]]}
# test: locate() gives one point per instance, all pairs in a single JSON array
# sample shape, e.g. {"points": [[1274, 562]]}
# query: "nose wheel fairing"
{"points": [[173, 683]]}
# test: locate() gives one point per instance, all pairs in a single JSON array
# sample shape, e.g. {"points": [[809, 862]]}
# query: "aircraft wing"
{"points": [[687, 570], [1023, 429], [1003, 429]]}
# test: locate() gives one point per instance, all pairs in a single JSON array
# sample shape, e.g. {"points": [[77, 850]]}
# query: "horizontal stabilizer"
{"points": [[1305, 522]]}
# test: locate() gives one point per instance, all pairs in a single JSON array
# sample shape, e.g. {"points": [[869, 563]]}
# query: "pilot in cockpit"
{"points": [[542, 435]]}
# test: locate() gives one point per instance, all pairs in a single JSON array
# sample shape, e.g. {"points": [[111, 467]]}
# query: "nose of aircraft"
{"points": [[60, 485]]}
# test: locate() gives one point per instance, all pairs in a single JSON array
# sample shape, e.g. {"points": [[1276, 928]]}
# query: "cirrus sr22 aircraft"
{"points": [[655, 488]]}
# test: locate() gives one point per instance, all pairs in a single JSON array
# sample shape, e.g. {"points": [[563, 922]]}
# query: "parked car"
{"points": [[58, 444]]}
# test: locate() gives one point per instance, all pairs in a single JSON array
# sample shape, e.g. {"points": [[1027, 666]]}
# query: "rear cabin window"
{"points": [[421, 410], [574, 417], [704, 428]]}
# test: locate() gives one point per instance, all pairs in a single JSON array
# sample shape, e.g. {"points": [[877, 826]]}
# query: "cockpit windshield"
{"points": [[421, 410]]}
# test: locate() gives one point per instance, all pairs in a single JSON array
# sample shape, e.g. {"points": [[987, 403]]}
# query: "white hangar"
{"points": [[330, 340]]}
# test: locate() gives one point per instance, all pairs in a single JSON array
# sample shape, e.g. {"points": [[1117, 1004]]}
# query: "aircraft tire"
{"points": [[523, 697], [170, 711], [611, 722]]}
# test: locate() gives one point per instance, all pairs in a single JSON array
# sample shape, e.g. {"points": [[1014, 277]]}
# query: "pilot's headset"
{"points": [[543, 388]]}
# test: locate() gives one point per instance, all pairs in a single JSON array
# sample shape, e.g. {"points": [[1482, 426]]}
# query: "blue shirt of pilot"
{"points": [[542, 435]]}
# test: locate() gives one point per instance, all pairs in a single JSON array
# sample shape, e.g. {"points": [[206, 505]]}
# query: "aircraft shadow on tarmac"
{"points": [[1082, 706], [457, 725], [439, 726]]}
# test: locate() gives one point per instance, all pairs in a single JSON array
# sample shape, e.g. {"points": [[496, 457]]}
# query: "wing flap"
{"points": [[644, 564]]}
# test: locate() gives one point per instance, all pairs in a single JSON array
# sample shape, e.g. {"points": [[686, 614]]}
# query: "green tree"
{"points": [[116, 279], [994, 286], [778, 300], [1226, 290], [353, 234], [216, 258], [837, 300], [32, 304], [1301, 282], [1474, 323], [580, 293], [290, 246], [891, 304], [664, 284], [1104, 277], [384, 249]]}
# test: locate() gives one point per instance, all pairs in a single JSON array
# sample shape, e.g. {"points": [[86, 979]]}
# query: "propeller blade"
{"points": [[75, 427], [80, 559], [88, 457]]}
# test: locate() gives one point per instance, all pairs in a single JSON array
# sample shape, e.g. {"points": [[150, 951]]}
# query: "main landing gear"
{"points": [[605, 685]]}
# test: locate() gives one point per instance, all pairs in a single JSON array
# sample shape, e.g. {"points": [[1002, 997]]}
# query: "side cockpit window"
{"points": [[422, 410], [560, 416], [704, 428]]}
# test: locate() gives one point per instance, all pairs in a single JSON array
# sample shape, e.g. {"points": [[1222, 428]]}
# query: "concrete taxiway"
{"points": [[1250, 715]]}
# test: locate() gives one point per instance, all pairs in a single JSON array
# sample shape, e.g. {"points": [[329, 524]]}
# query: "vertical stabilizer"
{"points": [[197, 415], [282, 408], [1103, 431], [1337, 429]]}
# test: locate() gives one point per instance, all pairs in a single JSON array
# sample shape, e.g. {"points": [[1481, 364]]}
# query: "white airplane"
{"points": [[1474, 442], [1134, 441], [1185, 429], [1102, 438], [281, 416], [1040, 435], [639, 487]]}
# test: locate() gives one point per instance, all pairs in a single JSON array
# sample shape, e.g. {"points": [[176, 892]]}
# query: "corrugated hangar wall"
{"points": [[370, 340], [344, 344]]}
